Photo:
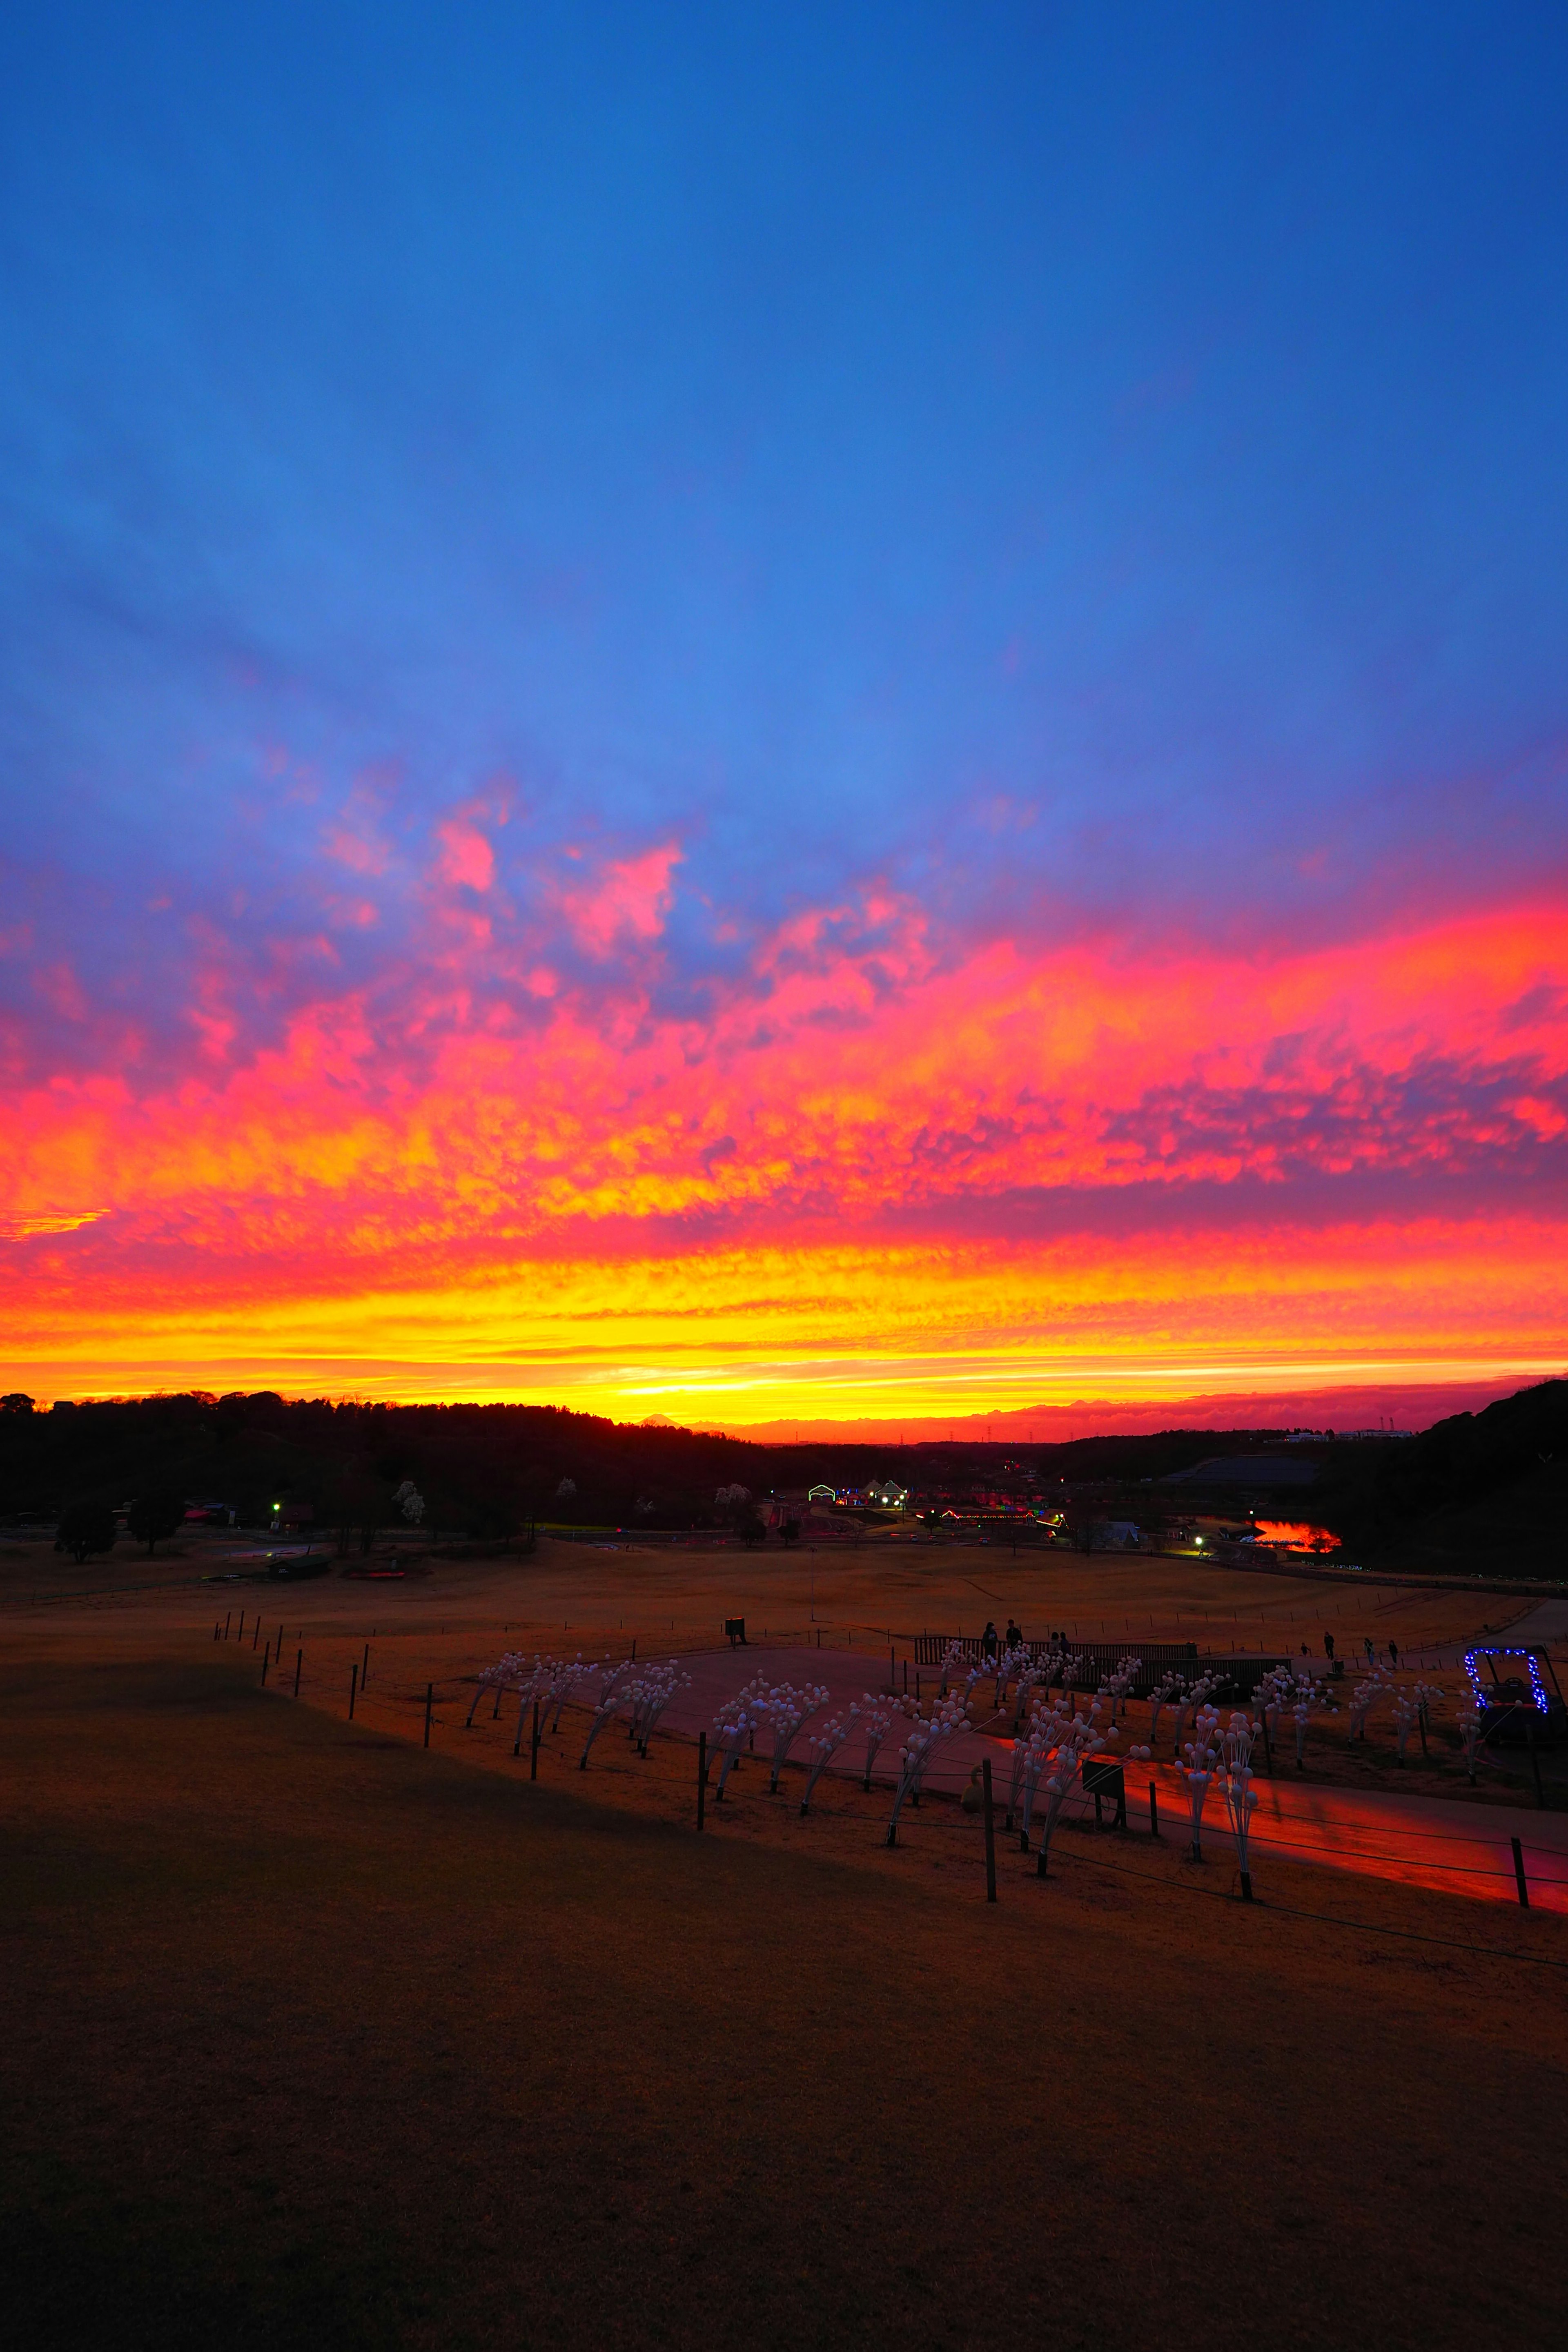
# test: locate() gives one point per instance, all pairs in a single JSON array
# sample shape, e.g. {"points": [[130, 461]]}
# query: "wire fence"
{"points": [[452, 1710]]}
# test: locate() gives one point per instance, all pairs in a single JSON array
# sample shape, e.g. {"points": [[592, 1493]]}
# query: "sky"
{"points": [[836, 716]]}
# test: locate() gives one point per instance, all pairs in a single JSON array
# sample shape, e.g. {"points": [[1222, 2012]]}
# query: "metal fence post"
{"points": [[990, 1833]]}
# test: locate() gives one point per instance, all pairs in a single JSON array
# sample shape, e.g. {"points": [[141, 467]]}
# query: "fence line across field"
{"points": [[456, 1684]]}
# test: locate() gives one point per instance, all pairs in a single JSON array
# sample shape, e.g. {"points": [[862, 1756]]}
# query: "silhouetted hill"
{"points": [[1486, 1491]]}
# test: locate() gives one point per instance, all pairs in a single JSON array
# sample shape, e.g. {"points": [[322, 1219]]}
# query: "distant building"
{"points": [[821, 1494], [888, 1493]]}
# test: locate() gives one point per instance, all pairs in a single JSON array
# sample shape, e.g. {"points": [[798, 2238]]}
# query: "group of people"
{"points": [[991, 1640]]}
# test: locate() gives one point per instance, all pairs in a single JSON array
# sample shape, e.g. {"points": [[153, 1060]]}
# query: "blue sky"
{"points": [[805, 429]]}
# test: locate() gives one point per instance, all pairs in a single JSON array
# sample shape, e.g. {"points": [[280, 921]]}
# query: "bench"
{"points": [[736, 1628]]}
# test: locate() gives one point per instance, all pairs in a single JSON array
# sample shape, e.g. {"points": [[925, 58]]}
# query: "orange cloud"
{"points": [[866, 1175]]}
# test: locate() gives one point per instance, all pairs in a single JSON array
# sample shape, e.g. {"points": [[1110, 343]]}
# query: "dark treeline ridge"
{"points": [[485, 1468], [1487, 1490]]}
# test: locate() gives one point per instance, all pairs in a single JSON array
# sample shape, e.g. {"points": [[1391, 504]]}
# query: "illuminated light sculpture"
{"points": [[927, 1735], [1306, 1697], [1239, 1794], [606, 1701], [501, 1676], [735, 1723], [1469, 1723], [1121, 1683], [1193, 1702], [1271, 1695], [650, 1693], [1170, 1689], [1071, 1676], [1050, 1666], [1071, 1739], [952, 1659], [1197, 1772], [1413, 1708], [1030, 1676], [1011, 1662], [877, 1716], [1236, 1746], [824, 1746], [1537, 1692], [789, 1711], [1368, 1691], [564, 1674]]}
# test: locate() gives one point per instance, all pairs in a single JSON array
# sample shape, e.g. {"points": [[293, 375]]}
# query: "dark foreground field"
{"points": [[311, 2037]]}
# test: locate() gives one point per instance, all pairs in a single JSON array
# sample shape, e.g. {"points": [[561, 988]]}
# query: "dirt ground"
{"points": [[445, 1617], [312, 2030]]}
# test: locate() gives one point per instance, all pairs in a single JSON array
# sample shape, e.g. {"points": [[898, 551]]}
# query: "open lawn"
{"points": [[313, 2033]]}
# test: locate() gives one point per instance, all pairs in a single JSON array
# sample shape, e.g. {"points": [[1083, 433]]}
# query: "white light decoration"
{"points": [[1469, 1722], [606, 1701], [952, 1660], [1271, 1695], [926, 1735], [1170, 1689], [1197, 1772], [825, 1745], [1239, 1794], [501, 1676], [1412, 1708], [1306, 1697], [735, 1723], [877, 1716], [1031, 1674], [650, 1693], [1066, 1742], [1118, 1686], [1193, 1702], [563, 1675], [789, 1710], [1369, 1690]]}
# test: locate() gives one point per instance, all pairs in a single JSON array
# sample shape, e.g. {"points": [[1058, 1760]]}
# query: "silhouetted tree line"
{"points": [[485, 1471]]}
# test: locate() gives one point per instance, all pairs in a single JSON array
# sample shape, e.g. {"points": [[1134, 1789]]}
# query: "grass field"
{"points": [[314, 2034]]}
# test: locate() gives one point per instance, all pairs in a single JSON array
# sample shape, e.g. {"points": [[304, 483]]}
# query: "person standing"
{"points": [[988, 1639], [1393, 1652], [1329, 1648]]}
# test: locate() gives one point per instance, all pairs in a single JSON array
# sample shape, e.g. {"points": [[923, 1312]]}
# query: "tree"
{"points": [[16, 1402], [152, 1516], [86, 1528]]}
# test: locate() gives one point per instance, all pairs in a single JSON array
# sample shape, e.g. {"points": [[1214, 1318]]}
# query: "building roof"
{"points": [[1246, 1470]]}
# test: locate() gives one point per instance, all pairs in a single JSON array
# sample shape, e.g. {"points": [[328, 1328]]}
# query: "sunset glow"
{"points": [[535, 876]]}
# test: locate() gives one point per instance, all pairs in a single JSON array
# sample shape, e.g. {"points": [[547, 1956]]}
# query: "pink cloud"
{"points": [[627, 900], [467, 858]]}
